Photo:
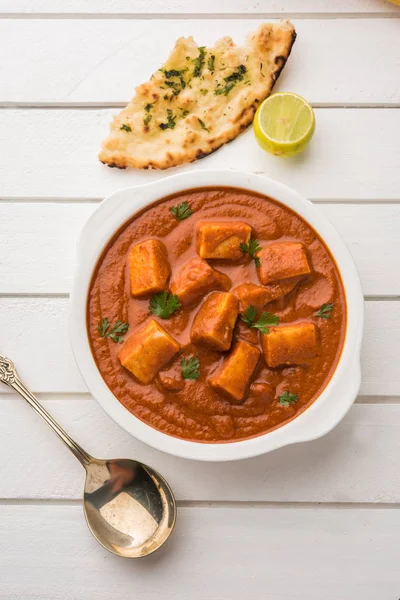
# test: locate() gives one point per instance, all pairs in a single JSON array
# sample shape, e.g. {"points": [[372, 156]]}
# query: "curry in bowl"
{"points": [[216, 315]]}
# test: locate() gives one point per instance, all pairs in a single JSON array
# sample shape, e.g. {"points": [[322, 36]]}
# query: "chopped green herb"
{"points": [[187, 57], [116, 333], [211, 63], [236, 75], [181, 211], [176, 86], [172, 73], [224, 90], [325, 311], [202, 125], [163, 305], [203, 91], [251, 249], [261, 68], [147, 119], [148, 107], [266, 319], [103, 326], [199, 62], [126, 127], [231, 80], [190, 368], [184, 112], [286, 399], [170, 124]]}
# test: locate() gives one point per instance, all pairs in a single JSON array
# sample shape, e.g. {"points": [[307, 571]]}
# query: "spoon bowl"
{"points": [[129, 507]]}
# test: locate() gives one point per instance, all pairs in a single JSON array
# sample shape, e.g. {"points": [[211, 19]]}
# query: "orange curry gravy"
{"points": [[197, 412]]}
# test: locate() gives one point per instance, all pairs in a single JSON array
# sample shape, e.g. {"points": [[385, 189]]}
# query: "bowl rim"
{"points": [[317, 419]]}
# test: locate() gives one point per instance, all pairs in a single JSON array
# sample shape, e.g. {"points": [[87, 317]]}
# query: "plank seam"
{"points": [[11, 105], [225, 504], [199, 16]]}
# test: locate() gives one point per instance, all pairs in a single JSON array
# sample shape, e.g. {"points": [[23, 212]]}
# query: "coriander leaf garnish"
{"points": [[249, 315], [224, 90], [148, 107], [199, 62], [103, 326], [172, 73], [262, 324], [116, 333], [211, 63], [325, 311], [170, 81], [170, 124], [163, 305], [231, 80], [266, 319], [125, 127], [190, 368], [203, 125], [261, 68], [184, 112], [251, 248], [236, 75], [287, 399], [203, 91], [119, 329], [147, 119], [181, 211]]}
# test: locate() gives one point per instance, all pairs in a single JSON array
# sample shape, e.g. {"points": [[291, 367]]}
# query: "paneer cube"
{"points": [[290, 344], [147, 351], [149, 268], [259, 296], [251, 294], [213, 325], [233, 379], [281, 260], [221, 239], [196, 279]]}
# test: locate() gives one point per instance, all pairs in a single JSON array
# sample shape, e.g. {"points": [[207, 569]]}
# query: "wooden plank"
{"points": [[188, 7], [354, 155], [104, 67], [360, 456], [34, 334], [38, 240], [301, 553], [38, 246]]}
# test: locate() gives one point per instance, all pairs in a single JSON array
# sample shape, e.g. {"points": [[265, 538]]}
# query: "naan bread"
{"points": [[201, 99]]}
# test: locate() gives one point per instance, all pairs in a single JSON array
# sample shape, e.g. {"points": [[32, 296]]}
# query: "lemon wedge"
{"points": [[284, 124]]}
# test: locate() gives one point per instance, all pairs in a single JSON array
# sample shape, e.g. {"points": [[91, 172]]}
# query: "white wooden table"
{"points": [[319, 521]]}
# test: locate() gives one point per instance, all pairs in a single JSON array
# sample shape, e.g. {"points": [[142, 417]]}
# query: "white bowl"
{"points": [[319, 418]]}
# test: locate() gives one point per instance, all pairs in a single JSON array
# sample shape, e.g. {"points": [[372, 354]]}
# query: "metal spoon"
{"points": [[129, 508]]}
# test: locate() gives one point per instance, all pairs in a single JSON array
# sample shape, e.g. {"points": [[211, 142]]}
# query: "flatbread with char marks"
{"points": [[199, 100]]}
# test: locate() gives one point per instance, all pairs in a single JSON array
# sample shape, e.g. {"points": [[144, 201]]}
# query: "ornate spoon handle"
{"points": [[9, 376]]}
